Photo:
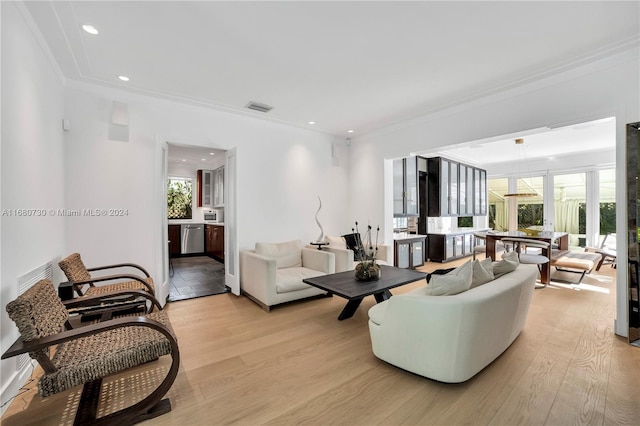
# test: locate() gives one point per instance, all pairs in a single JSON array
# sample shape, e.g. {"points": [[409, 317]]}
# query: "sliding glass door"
{"points": [[582, 204], [570, 206]]}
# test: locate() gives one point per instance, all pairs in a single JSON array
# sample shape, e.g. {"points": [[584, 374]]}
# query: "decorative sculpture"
{"points": [[321, 237]]}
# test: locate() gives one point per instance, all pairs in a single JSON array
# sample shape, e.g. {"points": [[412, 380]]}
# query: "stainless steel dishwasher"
{"points": [[192, 238]]}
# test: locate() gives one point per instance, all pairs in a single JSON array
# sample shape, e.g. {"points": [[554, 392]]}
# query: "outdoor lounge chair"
{"points": [[607, 249]]}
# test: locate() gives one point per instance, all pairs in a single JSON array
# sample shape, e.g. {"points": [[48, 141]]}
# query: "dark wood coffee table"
{"points": [[344, 284]]}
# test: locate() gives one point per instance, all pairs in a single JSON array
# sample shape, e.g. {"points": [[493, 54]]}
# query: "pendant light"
{"points": [[520, 149]]}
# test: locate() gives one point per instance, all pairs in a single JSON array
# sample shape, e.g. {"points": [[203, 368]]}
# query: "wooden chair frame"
{"points": [[106, 306], [151, 406], [75, 263]]}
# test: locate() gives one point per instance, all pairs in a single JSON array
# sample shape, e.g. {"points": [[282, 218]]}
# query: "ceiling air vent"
{"points": [[257, 106]]}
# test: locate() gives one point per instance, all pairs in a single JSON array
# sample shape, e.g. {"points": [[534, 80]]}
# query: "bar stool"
{"points": [[529, 258]]}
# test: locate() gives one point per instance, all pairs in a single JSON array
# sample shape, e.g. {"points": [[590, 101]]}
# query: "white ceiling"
{"points": [[203, 158], [562, 143], [345, 65]]}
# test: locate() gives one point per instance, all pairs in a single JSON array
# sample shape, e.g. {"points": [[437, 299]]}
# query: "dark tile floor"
{"points": [[195, 276]]}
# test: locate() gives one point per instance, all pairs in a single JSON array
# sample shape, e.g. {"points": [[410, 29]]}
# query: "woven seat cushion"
{"points": [[39, 313], [89, 358], [119, 286]]}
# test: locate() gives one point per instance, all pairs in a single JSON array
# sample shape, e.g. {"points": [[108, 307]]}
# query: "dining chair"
{"points": [[480, 244], [521, 244]]}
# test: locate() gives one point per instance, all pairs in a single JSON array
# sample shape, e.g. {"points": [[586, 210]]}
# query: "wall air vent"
{"points": [[257, 106]]}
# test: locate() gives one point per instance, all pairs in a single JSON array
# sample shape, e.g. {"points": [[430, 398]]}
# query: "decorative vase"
{"points": [[367, 271]]}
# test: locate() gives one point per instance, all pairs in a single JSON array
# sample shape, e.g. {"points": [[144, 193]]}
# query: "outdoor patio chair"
{"points": [[607, 249]]}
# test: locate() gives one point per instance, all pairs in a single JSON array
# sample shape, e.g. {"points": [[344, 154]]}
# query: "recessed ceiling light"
{"points": [[350, 131], [212, 153], [312, 122], [123, 77], [184, 159], [90, 29], [204, 159]]}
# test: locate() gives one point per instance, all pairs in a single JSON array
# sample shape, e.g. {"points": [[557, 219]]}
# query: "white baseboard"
{"points": [[15, 383]]}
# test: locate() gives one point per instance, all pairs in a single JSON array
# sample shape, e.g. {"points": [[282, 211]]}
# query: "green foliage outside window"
{"points": [[530, 215], [607, 218], [179, 198]]}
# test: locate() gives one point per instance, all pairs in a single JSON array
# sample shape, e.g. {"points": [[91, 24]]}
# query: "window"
{"points": [[607, 201], [570, 202], [498, 206], [179, 198], [531, 209]]}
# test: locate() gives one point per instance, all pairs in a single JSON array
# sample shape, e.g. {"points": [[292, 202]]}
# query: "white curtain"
{"points": [[567, 219], [502, 215]]}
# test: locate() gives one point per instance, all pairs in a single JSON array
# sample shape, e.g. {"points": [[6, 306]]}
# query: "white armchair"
{"points": [[344, 256], [273, 272]]}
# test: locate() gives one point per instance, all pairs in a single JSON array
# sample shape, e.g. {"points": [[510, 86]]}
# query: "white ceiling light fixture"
{"points": [[90, 29], [123, 77], [212, 153], [350, 131], [520, 158], [312, 122]]}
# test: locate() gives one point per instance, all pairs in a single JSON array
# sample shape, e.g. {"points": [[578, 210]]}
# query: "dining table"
{"points": [[557, 241]]}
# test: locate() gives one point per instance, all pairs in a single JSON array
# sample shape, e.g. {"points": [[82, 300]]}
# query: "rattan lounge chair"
{"points": [[80, 276], [86, 354]]}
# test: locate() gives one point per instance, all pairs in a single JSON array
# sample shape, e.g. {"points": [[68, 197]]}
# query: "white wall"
{"points": [[281, 172], [609, 87], [32, 168]]}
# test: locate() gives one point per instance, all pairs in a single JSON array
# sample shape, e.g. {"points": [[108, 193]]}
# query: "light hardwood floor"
{"points": [[299, 365]]}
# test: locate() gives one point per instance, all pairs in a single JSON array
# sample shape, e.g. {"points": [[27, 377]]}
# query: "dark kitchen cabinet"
{"points": [[174, 240], [455, 189], [204, 188], [214, 241], [451, 246]]}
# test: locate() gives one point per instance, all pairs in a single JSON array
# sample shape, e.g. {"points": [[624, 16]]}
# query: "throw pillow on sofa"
{"points": [[336, 242], [454, 282], [482, 272], [508, 263], [287, 254]]}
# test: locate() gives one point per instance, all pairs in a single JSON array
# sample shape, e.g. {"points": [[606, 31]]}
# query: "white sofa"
{"points": [[344, 256], [272, 273], [452, 338]]}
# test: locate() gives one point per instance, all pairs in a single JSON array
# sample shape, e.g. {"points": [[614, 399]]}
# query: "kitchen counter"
{"points": [[407, 236], [182, 222], [457, 231], [449, 244]]}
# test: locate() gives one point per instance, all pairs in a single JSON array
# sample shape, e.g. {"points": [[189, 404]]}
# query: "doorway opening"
{"points": [[195, 226]]}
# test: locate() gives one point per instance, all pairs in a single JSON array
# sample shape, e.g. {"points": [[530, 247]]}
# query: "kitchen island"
{"points": [[450, 244]]}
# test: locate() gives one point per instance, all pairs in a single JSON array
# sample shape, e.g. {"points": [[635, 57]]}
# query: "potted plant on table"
{"points": [[366, 253]]}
